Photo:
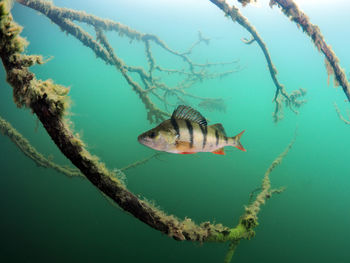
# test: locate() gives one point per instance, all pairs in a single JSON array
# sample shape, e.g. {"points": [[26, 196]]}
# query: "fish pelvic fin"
{"points": [[237, 143], [219, 151]]}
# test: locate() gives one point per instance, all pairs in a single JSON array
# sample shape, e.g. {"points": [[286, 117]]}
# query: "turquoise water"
{"points": [[46, 216]]}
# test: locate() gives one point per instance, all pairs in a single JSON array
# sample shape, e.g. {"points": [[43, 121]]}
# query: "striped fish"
{"points": [[187, 132]]}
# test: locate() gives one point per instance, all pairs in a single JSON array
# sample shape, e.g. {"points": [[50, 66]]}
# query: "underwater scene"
{"points": [[174, 131]]}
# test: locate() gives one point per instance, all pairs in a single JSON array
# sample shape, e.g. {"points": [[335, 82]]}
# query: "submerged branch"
{"points": [[266, 192], [341, 117], [281, 96], [249, 220], [40, 160], [143, 161], [50, 103], [231, 251], [23, 144], [292, 11], [195, 72]]}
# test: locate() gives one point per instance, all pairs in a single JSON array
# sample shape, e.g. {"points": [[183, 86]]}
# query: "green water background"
{"points": [[46, 217]]}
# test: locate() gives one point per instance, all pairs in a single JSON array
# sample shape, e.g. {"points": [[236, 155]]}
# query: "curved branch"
{"points": [[248, 41], [341, 117], [23, 144], [65, 18], [40, 160], [139, 162], [281, 94], [291, 10], [266, 192], [50, 103], [250, 218]]}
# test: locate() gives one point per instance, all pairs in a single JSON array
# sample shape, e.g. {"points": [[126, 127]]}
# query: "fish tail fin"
{"points": [[237, 143]]}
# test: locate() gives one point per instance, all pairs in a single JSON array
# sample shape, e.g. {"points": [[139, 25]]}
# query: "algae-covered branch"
{"points": [[295, 14], [294, 99], [50, 103], [152, 87]]}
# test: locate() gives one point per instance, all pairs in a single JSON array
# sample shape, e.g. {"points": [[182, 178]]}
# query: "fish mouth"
{"points": [[142, 139]]}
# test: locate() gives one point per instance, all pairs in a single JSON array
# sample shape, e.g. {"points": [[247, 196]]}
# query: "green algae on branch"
{"points": [[150, 85], [49, 102], [43, 100], [40, 160], [292, 11], [26, 89], [281, 96], [249, 220], [23, 144], [266, 191]]}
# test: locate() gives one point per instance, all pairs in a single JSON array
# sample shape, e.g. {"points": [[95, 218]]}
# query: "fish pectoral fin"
{"points": [[187, 152], [219, 151]]}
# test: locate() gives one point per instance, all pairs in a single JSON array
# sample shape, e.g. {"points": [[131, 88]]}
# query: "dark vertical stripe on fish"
{"points": [[217, 137], [190, 131], [204, 132], [176, 127]]}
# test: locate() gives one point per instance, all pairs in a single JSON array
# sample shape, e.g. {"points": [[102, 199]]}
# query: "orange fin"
{"points": [[238, 144], [187, 152], [219, 151]]}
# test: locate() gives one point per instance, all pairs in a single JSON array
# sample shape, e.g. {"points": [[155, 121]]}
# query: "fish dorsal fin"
{"points": [[187, 113], [219, 127]]}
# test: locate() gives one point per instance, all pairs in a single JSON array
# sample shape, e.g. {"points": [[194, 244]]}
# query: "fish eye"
{"points": [[152, 135]]}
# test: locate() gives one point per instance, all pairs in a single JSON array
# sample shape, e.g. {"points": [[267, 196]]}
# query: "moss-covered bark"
{"points": [[292, 11], [23, 144], [150, 84], [50, 103]]}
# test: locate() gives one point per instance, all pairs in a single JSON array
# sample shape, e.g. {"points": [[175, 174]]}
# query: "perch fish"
{"points": [[187, 132]]}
